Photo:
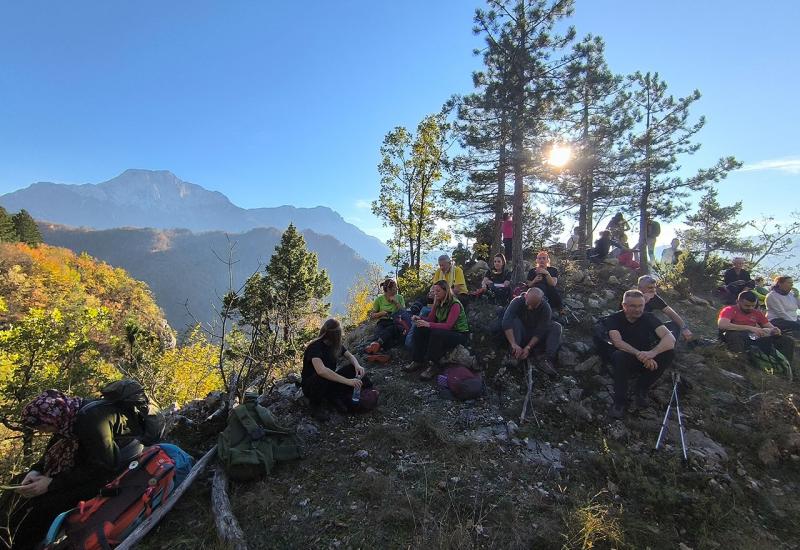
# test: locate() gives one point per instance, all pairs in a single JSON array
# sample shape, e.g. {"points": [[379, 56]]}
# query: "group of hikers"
{"points": [[89, 445]]}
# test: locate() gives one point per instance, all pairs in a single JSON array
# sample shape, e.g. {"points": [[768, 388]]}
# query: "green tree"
{"points": [[713, 228], [519, 57], [26, 228], [8, 233], [597, 115], [664, 134], [409, 201]]}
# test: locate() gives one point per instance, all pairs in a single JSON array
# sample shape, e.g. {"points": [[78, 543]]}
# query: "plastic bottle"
{"points": [[356, 394]]}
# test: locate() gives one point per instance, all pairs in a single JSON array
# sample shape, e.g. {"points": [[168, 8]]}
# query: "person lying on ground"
{"points": [[497, 281], [654, 303], [602, 246], [451, 273], [528, 324], [545, 278], [90, 446], [782, 305], [443, 329], [742, 325], [735, 280], [387, 330], [644, 348], [322, 383]]}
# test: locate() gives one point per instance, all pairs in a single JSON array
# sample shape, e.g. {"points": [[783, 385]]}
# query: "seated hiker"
{"points": [[90, 445], [602, 246], [653, 302], [443, 329], [528, 324], [735, 280], [545, 278], [761, 291], [320, 379], [782, 305], [742, 325], [671, 255], [644, 348], [421, 309], [450, 272], [497, 281], [388, 330], [574, 241]]}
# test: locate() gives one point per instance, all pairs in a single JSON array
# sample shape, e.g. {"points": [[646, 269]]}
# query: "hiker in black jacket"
{"points": [[91, 444]]}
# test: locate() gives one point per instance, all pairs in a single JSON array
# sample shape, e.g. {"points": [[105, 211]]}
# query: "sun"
{"points": [[560, 155]]}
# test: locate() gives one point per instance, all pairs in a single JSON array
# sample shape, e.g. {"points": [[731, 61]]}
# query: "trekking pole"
{"points": [[666, 419], [680, 417]]}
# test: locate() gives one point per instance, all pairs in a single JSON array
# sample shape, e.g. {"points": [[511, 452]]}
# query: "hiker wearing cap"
{"points": [[443, 329], [387, 330], [782, 305], [743, 325], [653, 302], [644, 349], [545, 277], [454, 276], [528, 324], [320, 379], [87, 450]]}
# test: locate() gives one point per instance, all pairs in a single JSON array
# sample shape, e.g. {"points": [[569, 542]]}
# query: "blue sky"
{"points": [[283, 103]]}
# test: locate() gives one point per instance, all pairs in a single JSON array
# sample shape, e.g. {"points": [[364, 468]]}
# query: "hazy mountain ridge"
{"points": [[181, 267], [159, 199]]}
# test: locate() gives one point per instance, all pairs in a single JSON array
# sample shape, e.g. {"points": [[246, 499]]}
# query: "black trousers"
{"points": [[507, 244], [30, 519], [553, 297], [431, 344], [318, 389], [625, 366], [787, 326], [739, 341], [387, 332]]}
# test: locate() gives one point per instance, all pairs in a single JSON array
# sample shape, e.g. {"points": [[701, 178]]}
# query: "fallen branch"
{"points": [[228, 530], [147, 525]]}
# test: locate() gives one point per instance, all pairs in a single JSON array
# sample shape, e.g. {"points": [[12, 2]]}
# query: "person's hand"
{"points": [[525, 353], [516, 351], [776, 331], [422, 323], [35, 488], [359, 371], [30, 477], [486, 281], [355, 383], [414, 317], [650, 364], [686, 334], [761, 332], [642, 356]]}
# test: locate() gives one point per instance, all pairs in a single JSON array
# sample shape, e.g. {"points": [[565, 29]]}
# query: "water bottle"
{"points": [[356, 394], [752, 336]]}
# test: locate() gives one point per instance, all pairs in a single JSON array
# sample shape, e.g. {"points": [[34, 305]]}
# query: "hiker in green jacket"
{"points": [[88, 449], [321, 380], [387, 331]]}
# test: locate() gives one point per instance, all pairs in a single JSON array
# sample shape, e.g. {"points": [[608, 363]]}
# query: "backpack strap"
{"points": [[253, 429]]}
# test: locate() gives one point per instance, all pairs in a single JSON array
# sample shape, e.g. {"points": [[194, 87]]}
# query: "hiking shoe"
{"points": [[373, 348], [547, 367], [428, 373], [412, 366], [616, 412], [379, 358]]}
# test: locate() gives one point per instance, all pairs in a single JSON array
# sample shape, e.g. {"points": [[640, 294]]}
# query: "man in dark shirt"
{"points": [[653, 302], [736, 280], [644, 347], [527, 323]]}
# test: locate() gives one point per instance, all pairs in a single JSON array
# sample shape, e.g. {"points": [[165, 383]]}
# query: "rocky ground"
{"points": [[422, 471]]}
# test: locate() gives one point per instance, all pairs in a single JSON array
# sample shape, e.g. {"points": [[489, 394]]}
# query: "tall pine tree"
{"points": [[26, 228], [8, 233]]}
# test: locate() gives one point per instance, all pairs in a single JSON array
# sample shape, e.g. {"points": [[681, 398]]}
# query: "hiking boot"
{"points": [[379, 358], [617, 411], [412, 366], [547, 367], [373, 348], [428, 373]]}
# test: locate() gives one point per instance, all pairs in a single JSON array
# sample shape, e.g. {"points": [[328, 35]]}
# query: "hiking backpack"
{"points": [[107, 519], [770, 361], [253, 442], [128, 397]]}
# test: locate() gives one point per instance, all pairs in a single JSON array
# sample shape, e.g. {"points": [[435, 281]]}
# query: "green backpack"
{"points": [[771, 363], [253, 442]]}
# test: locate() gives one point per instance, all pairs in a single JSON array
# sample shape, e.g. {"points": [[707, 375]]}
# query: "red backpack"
{"points": [[108, 518]]}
